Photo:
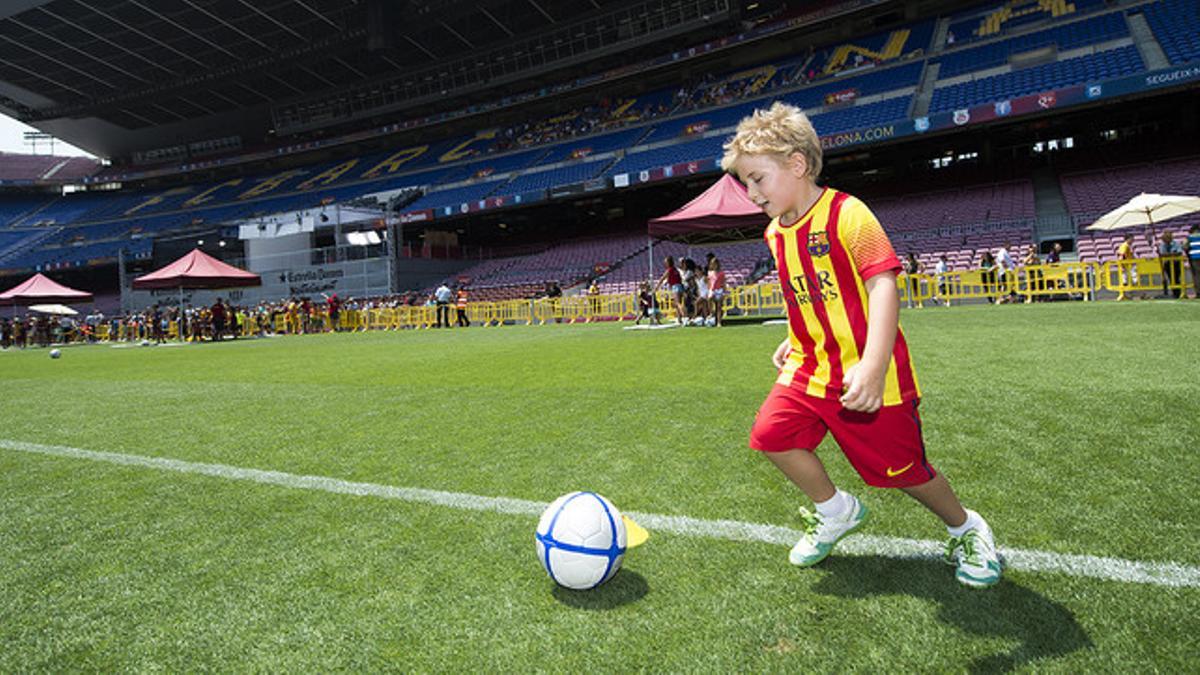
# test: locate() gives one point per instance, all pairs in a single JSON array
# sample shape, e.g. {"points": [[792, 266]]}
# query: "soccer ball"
{"points": [[145, 343], [581, 540], [54, 353]]}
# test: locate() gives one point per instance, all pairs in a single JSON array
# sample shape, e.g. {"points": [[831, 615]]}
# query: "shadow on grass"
{"points": [[1046, 629], [626, 587]]}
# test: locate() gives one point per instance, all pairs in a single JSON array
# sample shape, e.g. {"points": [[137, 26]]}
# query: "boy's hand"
{"points": [[863, 389], [781, 353]]}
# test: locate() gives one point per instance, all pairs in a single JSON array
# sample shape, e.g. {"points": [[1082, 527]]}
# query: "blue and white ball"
{"points": [[54, 353], [581, 540]]}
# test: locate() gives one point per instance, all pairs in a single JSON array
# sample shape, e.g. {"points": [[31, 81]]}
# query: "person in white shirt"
{"points": [[1005, 273], [940, 270], [442, 296]]}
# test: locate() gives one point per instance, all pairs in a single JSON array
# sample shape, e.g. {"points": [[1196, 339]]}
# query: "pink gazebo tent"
{"points": [[40, 289], [722, 212], [723, 206], [197, 270]]}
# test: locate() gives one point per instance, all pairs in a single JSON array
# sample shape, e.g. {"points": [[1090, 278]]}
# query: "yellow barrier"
{"points": [[1145, 276], [1034, 281], [1076, 280]]}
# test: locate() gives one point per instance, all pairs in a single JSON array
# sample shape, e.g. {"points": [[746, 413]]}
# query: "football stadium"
{"points": [[551, 335]]}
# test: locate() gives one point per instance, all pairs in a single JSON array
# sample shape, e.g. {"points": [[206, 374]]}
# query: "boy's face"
{"points": [[773, 182]]}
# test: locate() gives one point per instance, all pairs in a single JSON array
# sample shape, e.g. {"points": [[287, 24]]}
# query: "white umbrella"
{"points": [[1147, 209], [61, 310]]}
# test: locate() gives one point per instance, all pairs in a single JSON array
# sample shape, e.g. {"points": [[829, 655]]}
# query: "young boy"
{"points": [[845, 367]]}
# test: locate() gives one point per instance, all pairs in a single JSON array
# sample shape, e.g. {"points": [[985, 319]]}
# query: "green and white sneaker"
{"points": [[975, 556], [820, 534]]}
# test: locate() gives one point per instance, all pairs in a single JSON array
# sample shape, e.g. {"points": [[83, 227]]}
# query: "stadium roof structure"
{"points": [[120, 76], [723, 211], [41, 289], [197, 270]]}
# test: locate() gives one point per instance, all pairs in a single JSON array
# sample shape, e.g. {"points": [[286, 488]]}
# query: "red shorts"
{"points": [[885, 446]]}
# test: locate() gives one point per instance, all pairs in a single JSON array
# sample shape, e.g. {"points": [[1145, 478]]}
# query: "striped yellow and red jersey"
{"points": [[823, 260]]}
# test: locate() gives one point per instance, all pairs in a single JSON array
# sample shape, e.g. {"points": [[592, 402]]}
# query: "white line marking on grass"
{"points": [[1111, 569]]}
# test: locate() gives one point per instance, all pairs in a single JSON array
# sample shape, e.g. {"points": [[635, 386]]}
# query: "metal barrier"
{"points": [[1074, 280], [1145, 275]]}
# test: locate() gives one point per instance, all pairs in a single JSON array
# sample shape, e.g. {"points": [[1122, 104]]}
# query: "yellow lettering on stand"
{"points": [[328, 176], [268, 184], [393, 163]]}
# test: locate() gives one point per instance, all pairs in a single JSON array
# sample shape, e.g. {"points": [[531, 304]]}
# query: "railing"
{"points": [[1073, 281]]}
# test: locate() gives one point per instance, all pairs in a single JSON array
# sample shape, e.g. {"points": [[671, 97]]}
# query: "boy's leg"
{"points": [[972, 546], [937, 496], [887, 449], [785, 430], [806, 470]]}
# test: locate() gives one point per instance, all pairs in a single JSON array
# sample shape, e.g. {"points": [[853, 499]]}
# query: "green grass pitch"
{"points": [[1073, 428]]}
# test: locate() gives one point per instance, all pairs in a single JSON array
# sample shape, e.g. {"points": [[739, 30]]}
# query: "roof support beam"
{"points": [[183, 29], [539, 8], [139, 32], [228, 25], [483, 10], [42, 55], [317, 14], [418, 46], [77, 50], [456, 34], [41, 76]]}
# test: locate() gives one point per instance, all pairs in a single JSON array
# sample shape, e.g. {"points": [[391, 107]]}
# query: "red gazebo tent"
{"points": [[40, 289], [723, 212], [722, 207], [197, 270]]}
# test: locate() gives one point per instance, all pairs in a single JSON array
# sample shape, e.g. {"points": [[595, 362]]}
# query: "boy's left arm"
{"points": [[864, 381]]}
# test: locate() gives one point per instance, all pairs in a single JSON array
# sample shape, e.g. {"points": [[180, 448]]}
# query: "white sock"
{"points": [[973, 521], [836, 507]]}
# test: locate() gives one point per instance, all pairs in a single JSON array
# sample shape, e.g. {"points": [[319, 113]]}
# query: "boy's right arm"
{"points": [[781, 353]]}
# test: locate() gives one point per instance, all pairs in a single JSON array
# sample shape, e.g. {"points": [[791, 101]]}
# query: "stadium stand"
{"points": [[1091, 31], [996, 20], [1091, 194], [852, 84], [1090, 68], [1175, 23], [33, 168]]}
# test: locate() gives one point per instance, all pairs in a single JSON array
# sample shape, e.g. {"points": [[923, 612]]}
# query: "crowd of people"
{"points": [[697, 295], [697, 292]]}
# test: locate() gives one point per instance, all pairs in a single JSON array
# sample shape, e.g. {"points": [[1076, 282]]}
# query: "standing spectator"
{"points": [[987, 269], [1193, 249], [1170, 259], [554, 295], [156, 325], [940, 284], [703, 295], [647, 306], [912, 267], [334, 308], [593, 293], [674, 282], [218, 319], [1006, 272], [1055, 255], [1126, 265], [442, 297], [689, 289], [231, 318], [1033, 275], [717, 287], [460, 305]]}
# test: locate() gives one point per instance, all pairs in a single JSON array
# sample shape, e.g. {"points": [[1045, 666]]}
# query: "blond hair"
{"points": [[779, 130]]}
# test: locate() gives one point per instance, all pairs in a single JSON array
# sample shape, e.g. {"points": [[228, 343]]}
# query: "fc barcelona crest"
{"points": [[818, 243]]}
